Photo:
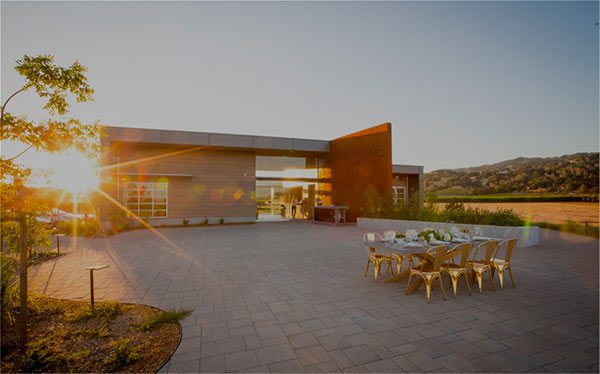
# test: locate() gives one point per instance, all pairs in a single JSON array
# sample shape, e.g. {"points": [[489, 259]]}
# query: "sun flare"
{"points": [[72, 171]]}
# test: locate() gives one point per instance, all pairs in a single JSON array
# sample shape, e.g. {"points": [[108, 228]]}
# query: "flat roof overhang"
{"points": [[407, 169], [262, 145]]}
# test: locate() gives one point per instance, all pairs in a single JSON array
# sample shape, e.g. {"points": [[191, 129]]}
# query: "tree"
{"points": [[54, 84]]}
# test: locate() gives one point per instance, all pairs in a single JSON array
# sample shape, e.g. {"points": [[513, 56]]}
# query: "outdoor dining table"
{"points": [[404, 248]]}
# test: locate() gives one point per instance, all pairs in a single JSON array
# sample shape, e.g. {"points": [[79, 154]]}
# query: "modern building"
{"points": [[167, 176]]}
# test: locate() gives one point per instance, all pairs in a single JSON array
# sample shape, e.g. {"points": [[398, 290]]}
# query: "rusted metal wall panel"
{"points": [[355, 164]]}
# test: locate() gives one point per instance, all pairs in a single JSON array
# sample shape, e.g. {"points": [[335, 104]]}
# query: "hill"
{"points": [[576, 173]]}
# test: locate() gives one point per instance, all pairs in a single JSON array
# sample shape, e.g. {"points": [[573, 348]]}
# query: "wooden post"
{"points": [[23, 314]]}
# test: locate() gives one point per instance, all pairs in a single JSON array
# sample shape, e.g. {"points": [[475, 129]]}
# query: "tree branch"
{"points": [[4, 107], [20, 153]]}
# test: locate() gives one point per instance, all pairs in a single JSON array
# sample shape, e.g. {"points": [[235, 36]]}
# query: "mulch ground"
{"points": [[64, 336]]}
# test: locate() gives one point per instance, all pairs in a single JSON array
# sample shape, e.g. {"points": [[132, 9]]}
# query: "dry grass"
{"points": [[65, 336], [553, 212]]}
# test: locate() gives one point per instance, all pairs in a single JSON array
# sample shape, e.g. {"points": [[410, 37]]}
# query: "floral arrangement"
{"points": [[412, 234], [431, 234], [400, 235], [448, 236]]}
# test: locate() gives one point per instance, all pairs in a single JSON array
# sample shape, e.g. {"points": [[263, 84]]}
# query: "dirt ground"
{"points": [[553, 212], [65, 336]]}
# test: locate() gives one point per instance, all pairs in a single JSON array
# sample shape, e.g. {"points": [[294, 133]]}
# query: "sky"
{"points": [[463, 83]]}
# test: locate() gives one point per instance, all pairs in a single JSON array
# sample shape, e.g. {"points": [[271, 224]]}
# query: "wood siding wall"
{"points": [[213, 183], [356, 163]]}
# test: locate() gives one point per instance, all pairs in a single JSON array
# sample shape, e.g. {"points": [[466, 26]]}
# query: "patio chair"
{"points": [[499, 264], [456, 270], [430, 275], [376, 258], [478, 266], [399, 258]]}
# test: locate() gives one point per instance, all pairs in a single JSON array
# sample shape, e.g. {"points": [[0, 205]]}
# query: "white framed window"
{"points": [[147, 199], [399, 194]]}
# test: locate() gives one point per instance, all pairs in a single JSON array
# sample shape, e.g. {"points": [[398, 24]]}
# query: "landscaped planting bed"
{"points": [[66, 336]]}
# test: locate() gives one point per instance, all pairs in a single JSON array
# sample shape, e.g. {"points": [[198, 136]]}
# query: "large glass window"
{"points": [[285, 182], [285, 167], [147, 199]]}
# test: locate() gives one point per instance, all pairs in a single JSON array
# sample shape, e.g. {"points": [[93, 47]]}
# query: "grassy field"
{"points": [[514, 198], [553, 212]]}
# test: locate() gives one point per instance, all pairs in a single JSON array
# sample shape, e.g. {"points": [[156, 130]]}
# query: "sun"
{"points": [[73, 172]]}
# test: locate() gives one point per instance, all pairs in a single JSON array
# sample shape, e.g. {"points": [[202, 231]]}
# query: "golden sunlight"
{"points": [[72, 171]]}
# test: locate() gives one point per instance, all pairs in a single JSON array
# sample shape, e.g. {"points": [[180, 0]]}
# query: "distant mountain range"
{"points": [[576, 173]]}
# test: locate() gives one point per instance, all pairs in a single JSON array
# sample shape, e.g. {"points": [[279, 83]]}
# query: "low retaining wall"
{"points": [[527, 235], [197, 220], [157, 222]]}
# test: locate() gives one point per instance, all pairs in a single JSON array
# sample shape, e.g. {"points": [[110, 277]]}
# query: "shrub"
{"points": [[108, 310], [170, 316], [221, 221], [47, 355], [37, 237], [84, 227], [9, 297], [572, 227], [186, 222], [45, 306], [122, 354], [204, 222], [455, 212], [79, 314], [96, 332], [118, 218]]}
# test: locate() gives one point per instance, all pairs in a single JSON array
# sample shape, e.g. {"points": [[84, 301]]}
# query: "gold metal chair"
{"points": [[398, 258], [456, 270], [478, 266], [430, 271], [376, 258], [499, 264]]}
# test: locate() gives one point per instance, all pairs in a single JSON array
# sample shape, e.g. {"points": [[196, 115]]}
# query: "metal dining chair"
{"points": [[430, 275], [499, 264], [373, 257], [478, 266], [400, 258], [456, 270]]}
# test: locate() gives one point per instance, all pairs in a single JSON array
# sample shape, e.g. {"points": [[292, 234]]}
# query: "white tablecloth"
{"points": [[403, 249]]}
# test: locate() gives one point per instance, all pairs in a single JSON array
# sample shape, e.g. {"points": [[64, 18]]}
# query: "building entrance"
{"points": [[285, 188]]}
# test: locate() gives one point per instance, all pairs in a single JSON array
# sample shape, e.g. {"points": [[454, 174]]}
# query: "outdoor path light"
{"points": [[58, 236], [91, 269]]}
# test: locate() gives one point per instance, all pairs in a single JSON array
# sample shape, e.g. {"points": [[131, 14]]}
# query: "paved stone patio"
{"points": [[291, 297]]}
